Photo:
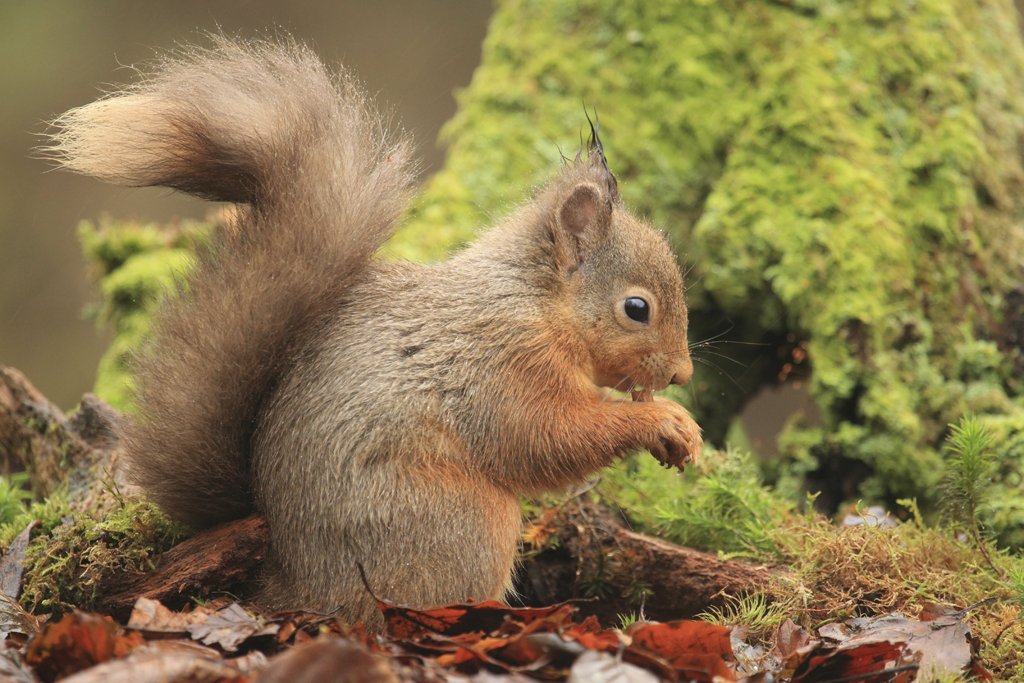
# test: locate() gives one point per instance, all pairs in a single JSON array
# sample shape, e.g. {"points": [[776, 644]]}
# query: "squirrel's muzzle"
{"points": [[684, 373]]}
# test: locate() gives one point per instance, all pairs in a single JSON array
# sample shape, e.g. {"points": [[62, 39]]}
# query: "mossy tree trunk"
{"points": [[843, 177]]}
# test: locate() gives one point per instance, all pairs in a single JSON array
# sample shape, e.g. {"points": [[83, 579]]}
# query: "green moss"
{"points": [[723, 506], [67, 563], [13, 499], [139, 265], [48, 512]]}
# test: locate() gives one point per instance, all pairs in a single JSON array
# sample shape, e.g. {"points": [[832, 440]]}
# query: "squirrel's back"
{"points": [[321, 181]]}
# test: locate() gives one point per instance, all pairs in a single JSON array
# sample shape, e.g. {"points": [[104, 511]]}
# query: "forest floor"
{"points": [[99, 586]]}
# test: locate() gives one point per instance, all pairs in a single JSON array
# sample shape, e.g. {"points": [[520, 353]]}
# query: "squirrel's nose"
{"points": [[684, 373]]}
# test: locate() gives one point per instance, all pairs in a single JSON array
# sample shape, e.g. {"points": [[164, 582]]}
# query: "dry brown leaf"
{"points": [[405, 623], [696, 649], [790, 639], [172, 661], [868, 662], [13, 562], [940, 643], [329, 659], [229, 627], [77, 642], [152, 617], [14, 618]]}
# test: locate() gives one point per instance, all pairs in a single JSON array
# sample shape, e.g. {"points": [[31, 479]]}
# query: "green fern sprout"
{"points": [[967, 479], [1017, 584], [627, 620]]}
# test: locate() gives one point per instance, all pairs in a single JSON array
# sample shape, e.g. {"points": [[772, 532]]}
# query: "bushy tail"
{"points": [[264, 125]]}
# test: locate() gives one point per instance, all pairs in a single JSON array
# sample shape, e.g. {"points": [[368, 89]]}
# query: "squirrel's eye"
{"points": [[637, 309]]}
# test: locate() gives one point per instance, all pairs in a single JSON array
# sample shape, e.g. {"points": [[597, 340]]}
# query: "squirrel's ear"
{"points": [[582, 222]]}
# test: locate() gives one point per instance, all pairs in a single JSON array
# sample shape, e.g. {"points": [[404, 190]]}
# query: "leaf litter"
{"points": [[223, 641]]}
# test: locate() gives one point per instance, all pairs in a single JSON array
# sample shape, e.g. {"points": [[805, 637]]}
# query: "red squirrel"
{"points": [[378, 414]]}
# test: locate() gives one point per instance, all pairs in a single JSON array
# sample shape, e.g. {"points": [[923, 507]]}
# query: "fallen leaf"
{"points": [[601, 667], [695, 648], [792, 646], [294, 627], [790, 639], [170, 662], [329, 659], [13, 563], [77, 642], [229, 627], [875, 662], [939, 642], [514, 647], [152, 617], [406, 623], [13, 669], [14, 618]]}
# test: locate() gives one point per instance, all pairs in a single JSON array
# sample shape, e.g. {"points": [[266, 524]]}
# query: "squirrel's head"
{"points": [[621, 281]]}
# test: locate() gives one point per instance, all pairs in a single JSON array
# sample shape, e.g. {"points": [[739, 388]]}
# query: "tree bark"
{"points": [[213, 560], [38, 438]]}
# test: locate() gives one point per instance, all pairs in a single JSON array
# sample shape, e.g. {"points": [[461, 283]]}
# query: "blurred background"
{"points": [[57, 55]]}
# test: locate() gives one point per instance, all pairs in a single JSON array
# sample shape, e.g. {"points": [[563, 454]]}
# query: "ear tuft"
{"points": [[583, 211]]}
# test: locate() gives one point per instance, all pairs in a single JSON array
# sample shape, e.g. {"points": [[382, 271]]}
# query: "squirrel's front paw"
{"points": [[676, 440]]}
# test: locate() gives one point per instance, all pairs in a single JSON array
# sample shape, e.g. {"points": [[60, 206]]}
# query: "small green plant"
{"points": [[629, 618], [14, 497], [1016, 577], [724, 508], [968, 478], [754, 611]]}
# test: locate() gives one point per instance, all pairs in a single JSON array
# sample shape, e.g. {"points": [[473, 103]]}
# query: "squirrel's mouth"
{"points": [[638, 383], [642, 395], [639, 392]]}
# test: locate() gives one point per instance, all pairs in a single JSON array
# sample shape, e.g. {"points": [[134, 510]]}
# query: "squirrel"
{"points": [[382, 416]]}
